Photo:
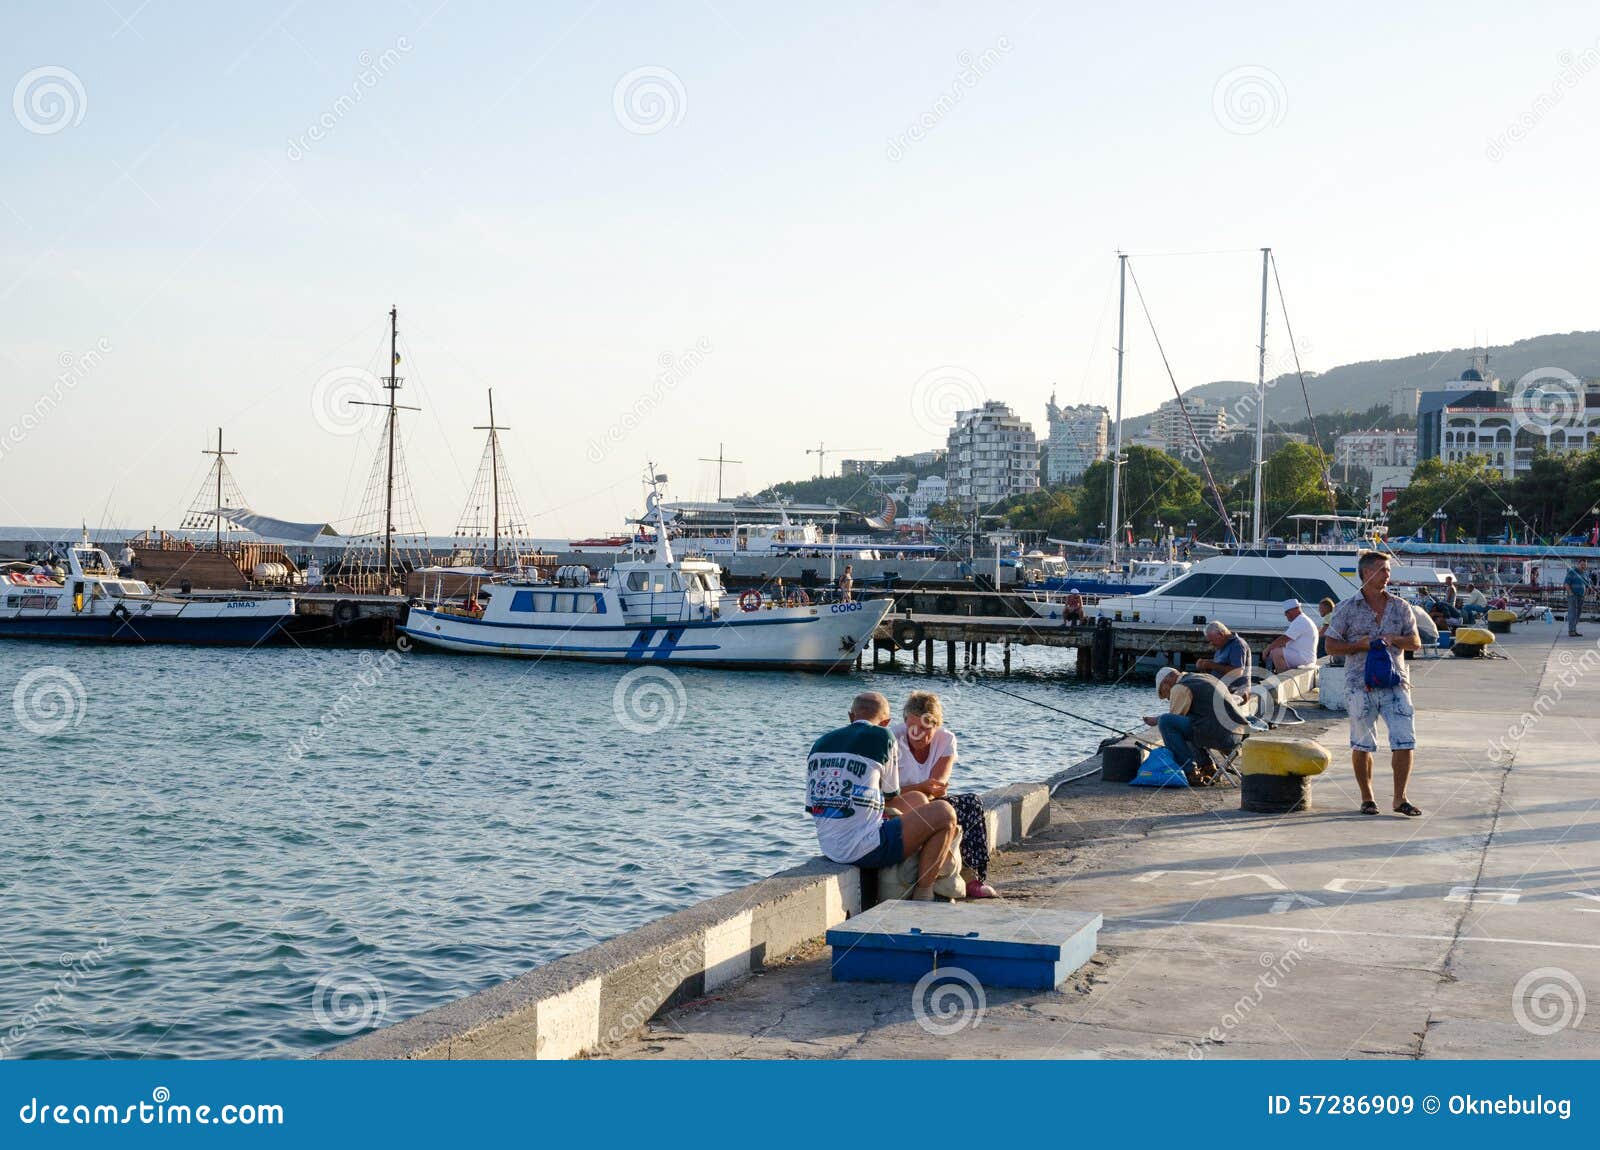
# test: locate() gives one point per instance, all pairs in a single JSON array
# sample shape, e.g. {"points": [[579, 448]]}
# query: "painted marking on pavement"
{"points": [[1122, 923]]}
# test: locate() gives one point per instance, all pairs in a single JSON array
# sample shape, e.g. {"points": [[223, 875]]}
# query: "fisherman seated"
{"points": [[1201, 717], [1475, 606], [1072, 611], [1231, 662]]}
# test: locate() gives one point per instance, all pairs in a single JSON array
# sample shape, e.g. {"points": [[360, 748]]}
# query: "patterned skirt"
{"points": [[974, 833]]}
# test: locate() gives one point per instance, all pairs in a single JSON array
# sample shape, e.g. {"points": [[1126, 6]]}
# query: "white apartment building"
{"points": [[930, 490], [992, 455], [1373, 449], [1168, 425], [1077, 439]]}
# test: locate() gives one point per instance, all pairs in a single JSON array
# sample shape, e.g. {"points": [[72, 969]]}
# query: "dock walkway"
{"points": [[1469, 932]]}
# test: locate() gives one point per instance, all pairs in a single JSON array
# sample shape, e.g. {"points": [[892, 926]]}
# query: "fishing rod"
{"points": [[1048, 707]]}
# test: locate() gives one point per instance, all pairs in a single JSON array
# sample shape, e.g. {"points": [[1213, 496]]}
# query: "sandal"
{"points": [[1369, 808], [1408, 810], [977, 889]]}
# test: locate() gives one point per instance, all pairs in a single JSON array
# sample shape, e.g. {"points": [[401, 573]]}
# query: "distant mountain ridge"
{"points": [[1358, 386]]}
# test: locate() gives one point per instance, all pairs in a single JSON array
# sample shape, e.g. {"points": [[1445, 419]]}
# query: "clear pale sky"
{"points": [[771, 209]]}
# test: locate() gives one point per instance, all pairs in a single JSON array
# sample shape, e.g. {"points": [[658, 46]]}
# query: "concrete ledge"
{"points": [[605, 994]]}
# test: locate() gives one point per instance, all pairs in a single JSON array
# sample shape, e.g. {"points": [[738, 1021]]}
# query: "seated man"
{"points": [[1232, 661], [1201, 717], [1475, 606], [1297, 646], [852, 777], [1073, 611]]}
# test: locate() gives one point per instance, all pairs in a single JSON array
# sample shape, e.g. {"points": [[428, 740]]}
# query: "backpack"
{"points": [[1380, 671]]}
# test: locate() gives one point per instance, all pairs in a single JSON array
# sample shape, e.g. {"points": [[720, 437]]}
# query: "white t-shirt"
{"points": [[913, 771], [848, 773], [1301, 650]]}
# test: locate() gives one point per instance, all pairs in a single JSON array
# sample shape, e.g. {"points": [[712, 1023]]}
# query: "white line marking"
{"points": [[1115, 924]]}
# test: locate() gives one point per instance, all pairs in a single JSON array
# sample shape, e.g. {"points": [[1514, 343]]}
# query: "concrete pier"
{"points": [[1468, 932]]}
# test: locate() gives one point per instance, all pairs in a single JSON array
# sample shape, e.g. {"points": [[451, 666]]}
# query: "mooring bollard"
{"points": [[1277, 771]]}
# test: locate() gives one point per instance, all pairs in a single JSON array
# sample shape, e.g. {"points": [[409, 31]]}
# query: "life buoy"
{"points": [[120, 612], [750, 600], [345, 611], [802, 597], [906, 633]]}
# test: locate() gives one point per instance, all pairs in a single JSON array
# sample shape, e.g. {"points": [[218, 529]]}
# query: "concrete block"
{"points": [[727, 951], [568, 1024]]}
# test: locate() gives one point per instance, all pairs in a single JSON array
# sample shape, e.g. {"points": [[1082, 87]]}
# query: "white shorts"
{"points": [[1394, 705]]}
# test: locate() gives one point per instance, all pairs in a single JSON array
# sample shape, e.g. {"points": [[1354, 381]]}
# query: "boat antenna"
{"points": [[1116, 453], [1261, 401], [654, 506]]}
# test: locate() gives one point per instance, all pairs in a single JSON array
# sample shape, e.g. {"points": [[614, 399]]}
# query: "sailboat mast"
{"points": [[393, 384], [218, 516], [494, 475], [1261, 398], [1116, 451]]}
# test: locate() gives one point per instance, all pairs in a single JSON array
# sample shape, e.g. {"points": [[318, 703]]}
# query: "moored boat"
{"points": [[87, 598]]}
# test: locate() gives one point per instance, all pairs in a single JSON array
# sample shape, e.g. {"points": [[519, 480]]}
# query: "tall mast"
{"points": [[392, 382], [1116, 453], [719, 461], [1261, 397], [217, 507], [494, 430]]}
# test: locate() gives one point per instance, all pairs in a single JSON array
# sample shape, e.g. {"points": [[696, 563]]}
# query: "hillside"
{"points": [[1358, 386]]}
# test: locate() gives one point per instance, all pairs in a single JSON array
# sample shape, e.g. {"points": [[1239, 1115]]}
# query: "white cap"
{"points": [[1164, 674], [1290, 605]]}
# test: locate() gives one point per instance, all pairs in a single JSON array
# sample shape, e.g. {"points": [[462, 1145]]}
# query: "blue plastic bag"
{"points": [[1380, 671], [1160, 769]]}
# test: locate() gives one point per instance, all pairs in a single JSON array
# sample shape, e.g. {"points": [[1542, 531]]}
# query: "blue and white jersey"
{"points": [[848, 774]]}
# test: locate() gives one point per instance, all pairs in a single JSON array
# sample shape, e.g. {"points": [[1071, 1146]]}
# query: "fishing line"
{"points": [[1048, 707]]}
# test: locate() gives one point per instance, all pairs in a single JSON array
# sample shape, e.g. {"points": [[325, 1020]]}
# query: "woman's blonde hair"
{"points": [[1326, 606], [925, 705]]}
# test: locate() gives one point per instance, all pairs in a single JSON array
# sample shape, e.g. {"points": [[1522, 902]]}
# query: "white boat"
{"points": [[658, 609], [87, 598], [1243, 589]]}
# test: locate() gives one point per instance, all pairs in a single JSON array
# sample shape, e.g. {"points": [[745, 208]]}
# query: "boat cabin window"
{"points": [[1261, 588], [638, 580], [568, 602], [94, 561]]}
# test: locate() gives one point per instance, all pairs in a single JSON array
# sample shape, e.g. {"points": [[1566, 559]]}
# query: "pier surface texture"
{"points": [[1467, 933]]}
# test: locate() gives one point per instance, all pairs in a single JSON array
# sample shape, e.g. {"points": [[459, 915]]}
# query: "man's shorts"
{"points": [[891, 847], [1394, 705]]}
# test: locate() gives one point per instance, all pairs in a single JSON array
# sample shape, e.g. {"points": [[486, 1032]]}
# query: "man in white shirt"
{"points": [[1297, 646]]}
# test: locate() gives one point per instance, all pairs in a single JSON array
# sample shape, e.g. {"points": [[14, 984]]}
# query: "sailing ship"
{"points": [[658, 608]]}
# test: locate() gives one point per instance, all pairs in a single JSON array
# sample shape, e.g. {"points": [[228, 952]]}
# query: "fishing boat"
{"points": [[87, 598], [658, 608]]}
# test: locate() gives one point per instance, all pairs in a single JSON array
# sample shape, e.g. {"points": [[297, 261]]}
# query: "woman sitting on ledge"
{"points": [[927, 756]]}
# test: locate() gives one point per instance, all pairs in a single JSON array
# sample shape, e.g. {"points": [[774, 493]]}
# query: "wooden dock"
{"points": [[1106, 650]]}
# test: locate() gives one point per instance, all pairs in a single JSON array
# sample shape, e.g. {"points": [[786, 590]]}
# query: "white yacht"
{"points": [[86, 598], [660, 609], [1243, 589]]}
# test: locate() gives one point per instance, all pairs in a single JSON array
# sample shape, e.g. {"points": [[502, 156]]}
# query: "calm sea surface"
{"points": [[224, 853]]}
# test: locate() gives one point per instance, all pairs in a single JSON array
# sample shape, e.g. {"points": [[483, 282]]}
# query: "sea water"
{"points": [[226, 853]]}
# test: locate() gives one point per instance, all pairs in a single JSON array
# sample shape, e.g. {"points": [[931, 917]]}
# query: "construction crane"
{"points": [[822, 452]]}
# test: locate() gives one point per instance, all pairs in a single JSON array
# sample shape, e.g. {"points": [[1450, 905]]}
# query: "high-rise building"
{"points": [[992, 455], [1077, 439], [1370, 449], [1210, 424]]}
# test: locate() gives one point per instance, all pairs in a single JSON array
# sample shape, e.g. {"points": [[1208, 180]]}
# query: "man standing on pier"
{"points": [[1362, 621], [1577, 585]]}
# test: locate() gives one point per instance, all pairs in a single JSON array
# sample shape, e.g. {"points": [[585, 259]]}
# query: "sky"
{"points": [[657, 229]]}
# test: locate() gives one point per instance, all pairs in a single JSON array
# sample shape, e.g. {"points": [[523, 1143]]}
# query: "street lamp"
{"points": [[1509, 514], [1438, 520]]}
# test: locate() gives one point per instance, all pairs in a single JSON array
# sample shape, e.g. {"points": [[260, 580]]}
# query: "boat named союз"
{"points": [[660, 609]]}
